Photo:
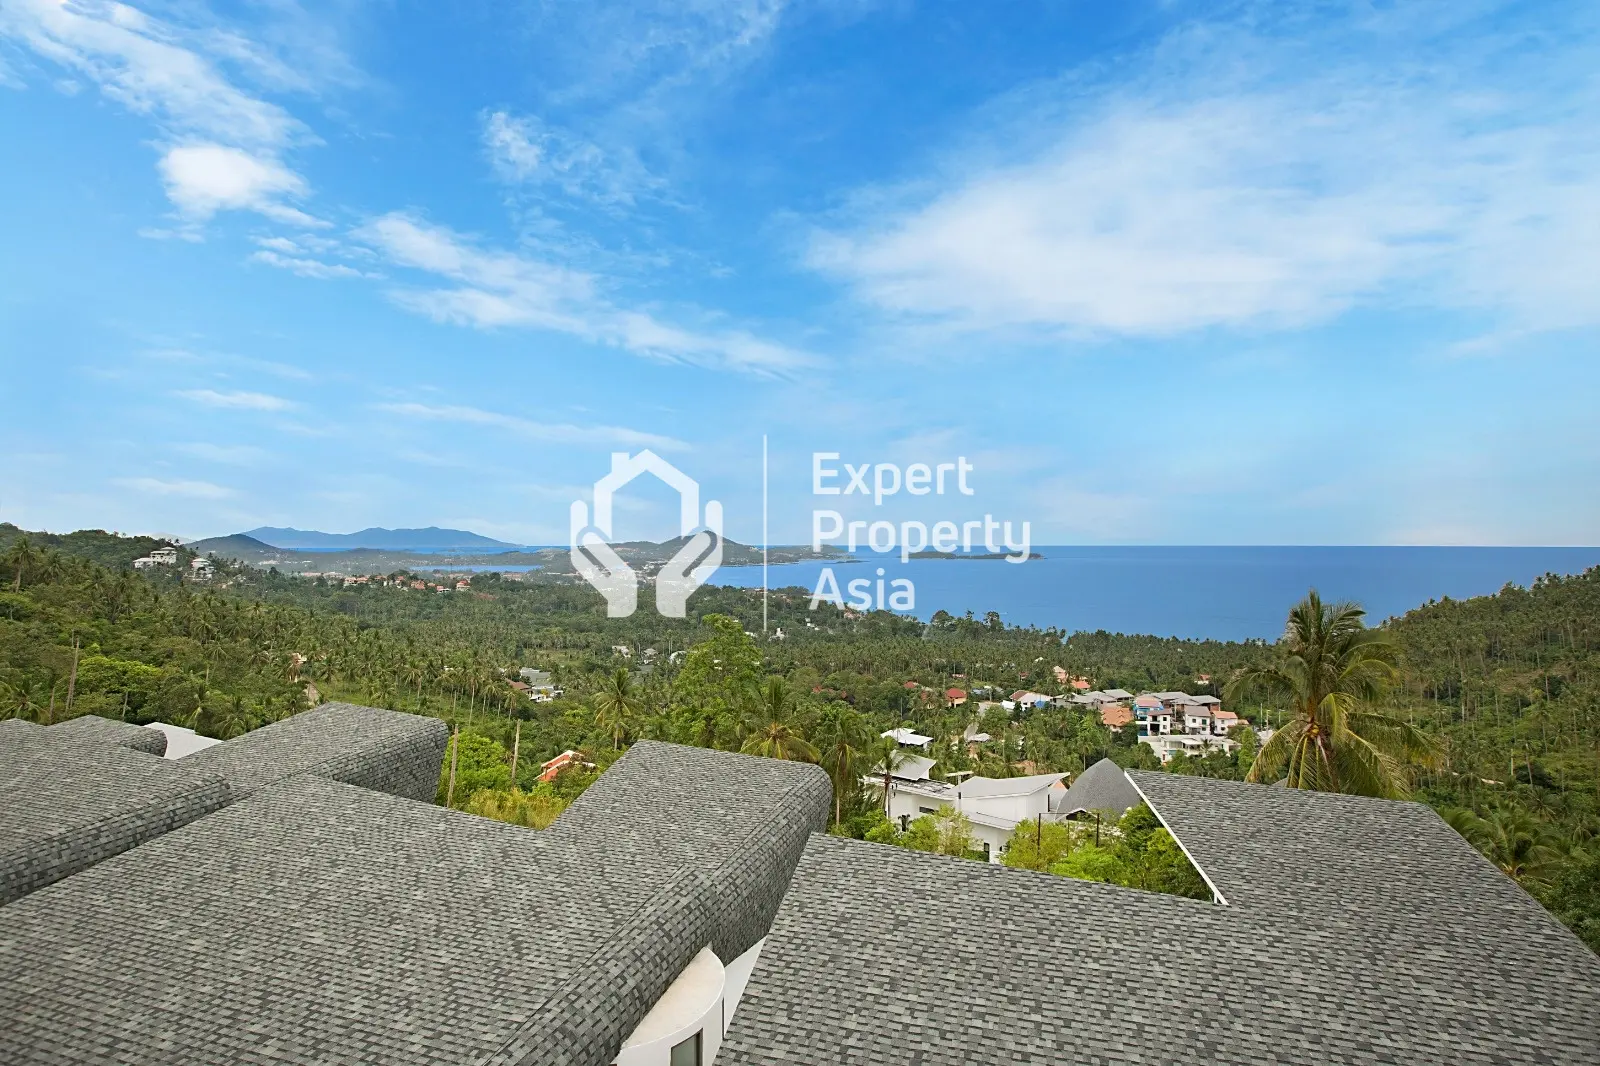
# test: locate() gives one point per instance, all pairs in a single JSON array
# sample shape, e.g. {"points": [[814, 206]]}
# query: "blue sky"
{"points": [[1163, 272]]}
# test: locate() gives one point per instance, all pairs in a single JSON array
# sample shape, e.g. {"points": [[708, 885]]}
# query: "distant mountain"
{"points": [[431, 539], [240, 546]]}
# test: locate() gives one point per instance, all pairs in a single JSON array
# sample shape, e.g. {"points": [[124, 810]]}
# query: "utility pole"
{"points": [[455, 749], [72, 679], [516, 745]]}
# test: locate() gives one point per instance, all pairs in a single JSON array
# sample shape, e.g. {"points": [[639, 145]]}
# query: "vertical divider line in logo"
{"points": [[763, 534]]}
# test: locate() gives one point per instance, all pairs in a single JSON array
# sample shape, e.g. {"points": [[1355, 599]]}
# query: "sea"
{"points": [[1220, 593]]}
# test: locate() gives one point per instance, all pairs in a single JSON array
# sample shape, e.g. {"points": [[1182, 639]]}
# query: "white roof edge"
{"points": [[1201, 870]]}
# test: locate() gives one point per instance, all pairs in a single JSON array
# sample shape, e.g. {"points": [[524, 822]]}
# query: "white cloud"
{"points": [[228, 454], [499, 289], [199, 490], [524, 150], [1244, 180], [243, 401], [307, 268], [202, 179], [223, 143], [554, 432], [514, 146]]}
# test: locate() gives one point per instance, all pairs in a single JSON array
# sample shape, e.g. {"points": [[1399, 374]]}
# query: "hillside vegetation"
{"points": [[1508, 686]]}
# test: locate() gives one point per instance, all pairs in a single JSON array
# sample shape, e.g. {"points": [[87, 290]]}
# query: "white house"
{"points": [[994, 805], [908, 738], [159, 557]]}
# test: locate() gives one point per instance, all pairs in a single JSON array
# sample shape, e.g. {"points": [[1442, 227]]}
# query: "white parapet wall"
{"points": [[181, 741], [698, 1006]]}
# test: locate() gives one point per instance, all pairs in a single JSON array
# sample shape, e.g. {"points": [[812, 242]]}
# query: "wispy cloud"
{"points": [[227, 454], [242, 401], [223, 143], [1262, 177], [524, 150], [307, 268], [198, 490], [496, 288], [554, 432]]}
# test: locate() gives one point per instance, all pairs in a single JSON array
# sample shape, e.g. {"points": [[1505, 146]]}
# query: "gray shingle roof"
{"points": [[319, 922], [1102, 787], [389, 751], [72, 795], [1414, 950], [149, 741]]}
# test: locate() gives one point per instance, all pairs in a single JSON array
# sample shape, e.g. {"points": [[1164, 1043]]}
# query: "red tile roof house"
{"points": [[548, 770], [1115, 715]]}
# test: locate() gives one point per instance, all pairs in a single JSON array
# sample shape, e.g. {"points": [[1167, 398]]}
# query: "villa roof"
{"points": [[1355, 931], [908, 737], [1102, 787], [317, 921], [984, 787]]}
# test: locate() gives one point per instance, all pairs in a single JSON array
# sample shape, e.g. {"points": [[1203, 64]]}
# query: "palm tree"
{"points": [[21, 557], [617, 706], [772, 733], [1332, 670], [887, 756], [1516, 842], [842, 735]]}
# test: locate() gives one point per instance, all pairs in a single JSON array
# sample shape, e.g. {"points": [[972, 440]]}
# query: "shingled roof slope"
{"points": [[1102, 787], [71, 796], [390, 751], [1440, 959], [321, 922]]}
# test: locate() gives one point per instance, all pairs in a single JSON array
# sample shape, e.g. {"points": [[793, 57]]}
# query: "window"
{"points": [[686, 1053]]}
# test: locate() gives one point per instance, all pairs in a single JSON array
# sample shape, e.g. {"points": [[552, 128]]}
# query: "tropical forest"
{"points": [[1485, 709]]}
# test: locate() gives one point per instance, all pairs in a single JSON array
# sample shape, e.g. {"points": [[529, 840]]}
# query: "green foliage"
{"points": [[1040, 845], [1507, 687], [1136, 852], [1333, 672], [535, 809], [481, 763], [945, 832], [1091, 863]]}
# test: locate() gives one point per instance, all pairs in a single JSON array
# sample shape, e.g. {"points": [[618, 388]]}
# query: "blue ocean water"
{"points": [[1224, 593]]}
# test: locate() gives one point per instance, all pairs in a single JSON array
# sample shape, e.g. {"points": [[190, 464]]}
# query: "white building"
{"points": [[908, 738], [994, 805]]}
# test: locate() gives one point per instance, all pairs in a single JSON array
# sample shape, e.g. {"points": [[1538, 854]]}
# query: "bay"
{"points": [[1222, 593]]}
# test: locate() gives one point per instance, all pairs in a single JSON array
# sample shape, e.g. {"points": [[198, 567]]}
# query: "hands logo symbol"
{"points": [[689, 568]]}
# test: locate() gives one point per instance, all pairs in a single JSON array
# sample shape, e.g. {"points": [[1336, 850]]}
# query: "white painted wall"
{"points": [[692, 1003], [737, 976], [181, 741]]}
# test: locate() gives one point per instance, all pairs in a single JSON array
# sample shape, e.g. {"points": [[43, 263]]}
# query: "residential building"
{"points": [[908, 738], [158, 557], [994, 805], [1115, 715], [551, 767], [294, 897]]}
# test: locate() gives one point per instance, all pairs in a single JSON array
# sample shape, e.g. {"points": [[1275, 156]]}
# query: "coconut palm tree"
{"points": [[887, 756], [1332, 670], [617, 706], [842, 735], [22, 557], [772, 732]]}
